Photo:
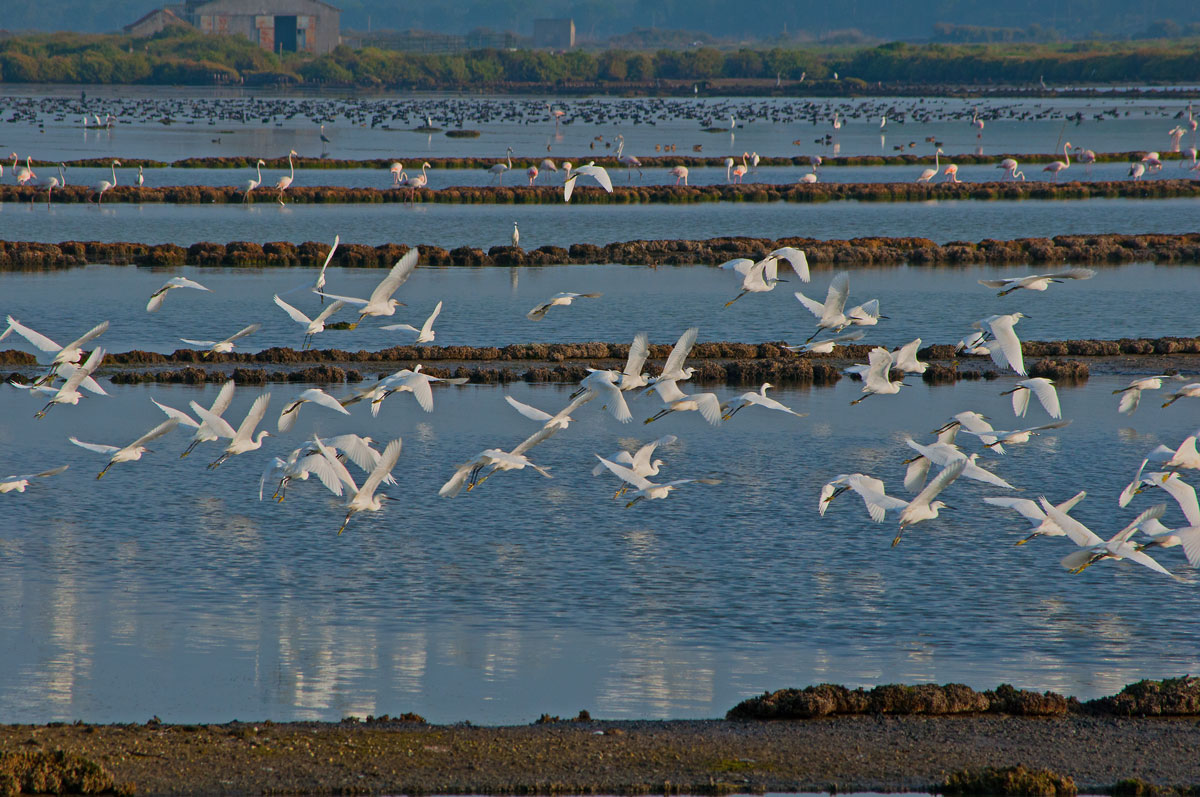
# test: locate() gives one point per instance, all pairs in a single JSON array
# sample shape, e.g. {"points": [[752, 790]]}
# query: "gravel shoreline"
{"points": [[849, 753]]}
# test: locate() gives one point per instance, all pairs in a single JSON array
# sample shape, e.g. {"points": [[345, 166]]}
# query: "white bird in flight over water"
{"points": [[1033, 512], [757, 398], [69, 393], [18, 484], [829, 313], [1132, 394], [381, 303], [1037, 282], [558, 300], [425, 334], [640, 462], [319, 284], [312, 326], [877, 379], [589, 169], [223, 346], [1039, 386], [1007, 353], [364, 498], [128, 453], [62, 354], [242, 439], [870, 489], [647, 489], [287, 418], [923, 507], [157, 298]]}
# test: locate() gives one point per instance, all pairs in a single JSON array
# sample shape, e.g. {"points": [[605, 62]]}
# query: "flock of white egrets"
{"points": [[327, 458]]}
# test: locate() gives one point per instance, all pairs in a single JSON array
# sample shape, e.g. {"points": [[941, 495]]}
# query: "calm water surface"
{"points": [[487, 306], [171, 590], [562, 225]]}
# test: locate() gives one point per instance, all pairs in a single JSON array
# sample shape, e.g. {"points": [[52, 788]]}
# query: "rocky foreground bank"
{"points": [[950, 739]]}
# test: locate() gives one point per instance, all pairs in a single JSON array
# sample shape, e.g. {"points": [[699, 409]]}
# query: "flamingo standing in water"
{"points": [[23, 173], [951, 174], [976, 123], [929, 174], [1010, 167], [728, 167], [679, 173], [500, 168], [396, 169], [420, 181], [1054, 167], [740, 170], [1136, 170], [1152, 162], [50, 183], [1087, 157], [105, 185], [531, 173], [283, 183], [254, 182]]}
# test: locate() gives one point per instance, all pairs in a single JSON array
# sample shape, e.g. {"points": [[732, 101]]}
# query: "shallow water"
{"points": [[767, 126], [168, 590], [485, 226], [697, 176], [487, 306]]}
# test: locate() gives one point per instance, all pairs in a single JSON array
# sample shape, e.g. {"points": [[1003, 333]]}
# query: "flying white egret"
{"points": [[865, 314], [905, 358], [558, 300], [223, 346], [923, 507], [319, 284], [1134, 487], [1037, 282], [287, 418], [18, 484], [300, 464], [757, 398], [632, 376], [640, 462], [647, 489], [673, 370], [918, 467], [425, 334], [1039, 386], [943, 455], [364, 498], [762, 276], [1132, 394], [826, 346], [1016, 435], [160, 295], [1162, 537], [312, 326], [559, 421], [975, 423], [870, 489], [1187, 391], [1094, 549], [1033, 512], [62, 354], [69, 393], [407, 381], [707, 404], [204, 433], [973, 344], [381, 303], [242, 439], [1184, 456], [877, 379], [829, 314], [128, 453], [604, 383], [1007, 354], [589, 169]]}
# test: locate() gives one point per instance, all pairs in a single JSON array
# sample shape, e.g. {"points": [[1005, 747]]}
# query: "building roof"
{"points": [[196, 7], [174, 19]]}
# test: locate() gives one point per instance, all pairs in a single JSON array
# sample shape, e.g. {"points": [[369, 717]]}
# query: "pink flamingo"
{"points": [[680, 173], [531, 173], [283, 183], [951, 174], [1136, 170], [1010, 167], [928, 174], [1085, 156], [1054, 167], [396, 170], [740, 170], [418, 181], [976, 122]]}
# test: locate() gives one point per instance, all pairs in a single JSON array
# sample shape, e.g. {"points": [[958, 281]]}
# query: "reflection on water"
{"points": [[485, 226], [165, 589], [484, 308]]}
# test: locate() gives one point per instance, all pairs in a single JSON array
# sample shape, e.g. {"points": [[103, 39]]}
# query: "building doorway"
{"points": [[285, 34]]}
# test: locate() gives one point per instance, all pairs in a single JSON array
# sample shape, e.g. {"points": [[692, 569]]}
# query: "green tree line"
{"points": [[187, 57]]}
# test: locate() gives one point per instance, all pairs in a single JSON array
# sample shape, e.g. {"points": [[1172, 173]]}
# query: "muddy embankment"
{"points": [[947, 739], [659, 161], [717, 363], [1062, 249], [621, 194]]}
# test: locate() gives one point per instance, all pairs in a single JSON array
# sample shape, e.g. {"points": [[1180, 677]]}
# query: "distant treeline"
{"points": [[185, 57]]}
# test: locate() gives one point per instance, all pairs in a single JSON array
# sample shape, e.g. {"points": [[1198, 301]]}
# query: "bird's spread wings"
{"points": [[741, 265], [641, 458], [396, 277], [427, 327], [638, 351], [940, 482], [88, 336], [796, 259], [218, 425], [155, 433], [387, 461], [296, 315], [97, 447], [36, 338], [223, 399], [178, 415], [625, 474], [257, 410], [835, 297], [328, 311], [682, 349], [532, 413], [1080, 534], [710, 407], [241, 333]]}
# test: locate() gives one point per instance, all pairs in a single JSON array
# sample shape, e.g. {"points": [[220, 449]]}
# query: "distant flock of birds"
{"points": [[70, 376]]}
